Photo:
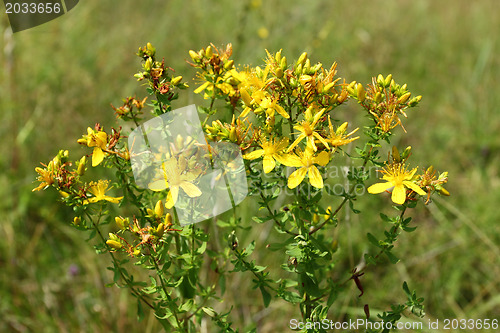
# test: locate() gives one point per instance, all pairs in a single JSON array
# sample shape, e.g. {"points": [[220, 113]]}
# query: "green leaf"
{"points": [[373, 240], [265, 296], [392, 258], [140, 310]]}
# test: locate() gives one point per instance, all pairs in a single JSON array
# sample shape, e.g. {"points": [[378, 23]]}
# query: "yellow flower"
{"points": [[338, 137], [269, 103], [306, 161], [399, 177], [308, 130], [272, 150], [99, 191], [46, 178], [98, 140], [176, 176]]}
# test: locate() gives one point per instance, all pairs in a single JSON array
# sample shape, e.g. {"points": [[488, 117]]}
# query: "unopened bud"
{"points": [[114, 244], [343, 96], [415, 100], [378, 97], [380, 80], [388, 80], [160, 230], [175, 81], [229, 65], [279, 72], [283, 64], [277, 56], [121, 222], [168, 219], [81, 166], [328, 87], [444, 192], [406, 153], [77, 220], [232, 241], [302, 58], [360, 92], [404, 98], [232, 134], [148, 64], [194, 56], [209, 52]]}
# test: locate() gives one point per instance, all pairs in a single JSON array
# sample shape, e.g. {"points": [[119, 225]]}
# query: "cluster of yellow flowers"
{"points": [[278, 102], [273, 96]]}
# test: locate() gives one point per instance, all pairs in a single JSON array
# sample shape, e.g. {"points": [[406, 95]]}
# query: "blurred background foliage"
{"points": [[59, 78]]}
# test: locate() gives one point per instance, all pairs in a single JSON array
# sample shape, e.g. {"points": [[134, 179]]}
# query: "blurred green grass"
{"points": [[59, 78]]}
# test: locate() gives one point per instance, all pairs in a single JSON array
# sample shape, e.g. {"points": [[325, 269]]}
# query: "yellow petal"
{"points": [[321, 139], [245, 97], [170, 201], [97, 156], [288, 160], [315, 177], [296, 142], [158, 185], [269, 164], [322, 159], [281, 111], [253, 155], [202, 87], [191, 190], [112, 199], [414, 187], [296, 177], [399, 194], [379, 187], [174, 192]]}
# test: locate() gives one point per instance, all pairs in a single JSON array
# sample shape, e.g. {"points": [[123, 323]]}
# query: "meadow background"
{"points": [[59, 78]]}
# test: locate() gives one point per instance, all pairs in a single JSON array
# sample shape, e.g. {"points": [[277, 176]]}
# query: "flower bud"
{"points": [[194, 56], [121, 222], [302, 58], [148, 64], [151, 50], [209, 52], [168, 219], [307, 66], [388, 80], [444, 192], [175, 81], [81, 166], [77, 220], [283, 64], [378, 97], [404, 98], [328, 87], [160, 230], [380, 80], [406, 153], [279, 72], [159, 208], [64, 194], [229, 65], [232, 134], [415, 100], [277, 56], [114, 244], [360, 92]]}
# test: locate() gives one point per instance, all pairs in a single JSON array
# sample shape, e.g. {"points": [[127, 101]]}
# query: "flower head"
{"points": [[397, 176], [97, 139], [272, 151], [308, 131], [99, 191], [176, 175], [46, 178], [305, 161], [338, 137]]}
